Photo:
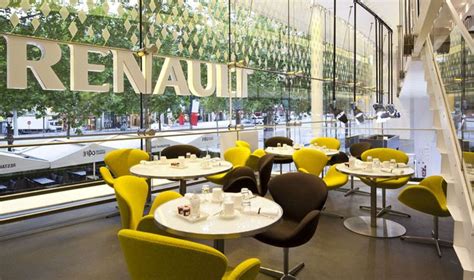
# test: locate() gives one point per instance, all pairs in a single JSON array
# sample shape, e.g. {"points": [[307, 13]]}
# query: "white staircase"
{"points": [[452, 169]]}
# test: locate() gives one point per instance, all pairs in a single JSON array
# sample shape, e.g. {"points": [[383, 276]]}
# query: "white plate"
{"points": [[229, 217], [202, 216]]}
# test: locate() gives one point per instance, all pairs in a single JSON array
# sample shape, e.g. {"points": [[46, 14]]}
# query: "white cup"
{"points": [[369, 158], [163, 159], [368, 166], [188, 155], [376, 162], [155, 158], [217, 194], [188, 196], [352, 162], [237, 198], [205, 164], [193, 157], [181, 161], [386, 164], [228, 208], [393, 163]]}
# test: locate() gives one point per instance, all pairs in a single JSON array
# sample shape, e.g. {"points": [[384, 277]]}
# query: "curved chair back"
{"points": [[273, 141], [153, 256], [310, 161], [298, 194], [468, 157], [238, 156], [241, 177], [243, 144], [176, 151], [329, 142], [428, 197], [265, 166], [120, 161], [385, 154], [357, 149], [131, 193]]}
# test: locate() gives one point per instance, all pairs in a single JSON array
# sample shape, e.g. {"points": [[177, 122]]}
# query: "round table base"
{"points": [[385, 228]]}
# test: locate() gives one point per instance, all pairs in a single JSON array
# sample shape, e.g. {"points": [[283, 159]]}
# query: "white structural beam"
{"points": [[424, 24], [457, 21]]}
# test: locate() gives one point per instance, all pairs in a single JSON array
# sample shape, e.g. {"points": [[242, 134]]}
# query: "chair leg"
{"points": [[352, 190], [434, 239], [287, 273]]}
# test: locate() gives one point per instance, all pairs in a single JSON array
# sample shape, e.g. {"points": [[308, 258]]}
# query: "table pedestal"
{"points": [[373, 226], [219, 245], [182, 186]]}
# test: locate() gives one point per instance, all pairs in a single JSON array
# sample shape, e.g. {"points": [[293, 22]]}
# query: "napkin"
{"points": [[271, 212], [393, 171]]}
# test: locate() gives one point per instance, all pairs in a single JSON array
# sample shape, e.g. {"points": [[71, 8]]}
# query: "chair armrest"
{"points": [[302, 170], [246, 270], [107, 176]]}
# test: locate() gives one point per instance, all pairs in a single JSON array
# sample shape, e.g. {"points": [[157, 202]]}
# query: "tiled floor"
{"points": [[90, 249]]}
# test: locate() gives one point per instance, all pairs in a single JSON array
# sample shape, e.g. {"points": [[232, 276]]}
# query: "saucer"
{"points": [[229, 217]]}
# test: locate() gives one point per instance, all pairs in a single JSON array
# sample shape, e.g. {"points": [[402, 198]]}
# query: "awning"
{"points": [[12, 163], [64, 155]]}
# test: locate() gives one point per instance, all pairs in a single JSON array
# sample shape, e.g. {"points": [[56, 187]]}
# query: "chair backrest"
{"points": [[153, 256], [131, 193], [329, 142], [176, 151], [273, 141], [468, 157], [385, 154], [428, 197], [265, 166], [237, 156], [298, 194], [119, 161], [243, 144], [357, 149], [311, 160], [241, 177]]}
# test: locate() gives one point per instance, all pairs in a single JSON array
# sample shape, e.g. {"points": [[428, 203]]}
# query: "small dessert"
{"points": [[180, 210], [175, 164], [186, 211]]}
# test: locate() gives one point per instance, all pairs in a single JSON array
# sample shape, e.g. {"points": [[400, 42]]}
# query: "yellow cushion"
{"points": [[428, 197], [163, 197], [153, 256], [237, 155], [468, 157], [385, 154], [243, 144], [131, 193], [218, 178], [329, 142], [246, 270], [388, 184], [119, 162], [310, 160], [335, 179]]}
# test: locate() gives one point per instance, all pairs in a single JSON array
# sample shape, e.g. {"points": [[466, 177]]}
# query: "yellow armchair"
{"points": [[144, 254], [238, 156], [329, 142], [118, 163], [428, 197], [131, 193], [310, 161], [386, 154], [254, 157]]}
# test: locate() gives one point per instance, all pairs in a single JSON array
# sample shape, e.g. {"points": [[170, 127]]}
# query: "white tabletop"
{"points": [[360, 171], [288, 151], [192, 169], [215, 226]]}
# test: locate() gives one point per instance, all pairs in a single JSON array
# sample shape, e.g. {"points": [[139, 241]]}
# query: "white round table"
{"points": [[214, 226], [371, 225], [288, 151], [192, 169]]}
